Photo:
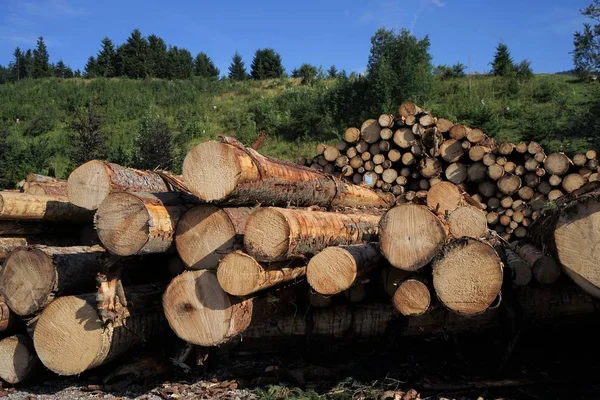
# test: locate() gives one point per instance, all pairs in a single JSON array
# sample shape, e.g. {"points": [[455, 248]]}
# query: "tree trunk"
{"points": [[18, 360], [468, 221], [451, 150], [331, 153], [200, 312], [404, 138], [70, 337], [410, 236], [206, 233], [412, 298], [476, 136], [58, 188], [557, 164], [228, 172], [92, 182], [467, 276], [241, 275], [32, 276], [336, 269], [23, 206], [276, 234], [140, 223]]}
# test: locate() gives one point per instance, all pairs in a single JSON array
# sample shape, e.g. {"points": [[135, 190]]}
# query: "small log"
{"points": [[458, 132], [70, 336], [389, 175], [554, 194], [58, 188], [475, 135], [386, 134], [404, 138], [394, 155], [331, 153], [590, 154], [456, 173], [320, 149], [579, 160], [489, 159], [430, 167], [18, 360], [509, 184], [241, 275], [451, 150], [426, 120], [545, 270], [370, 131], [510, 167], [370, 179], [386, 120], [206, 233], [444, 198], [384, 146], [351, 135], [477, 172], [374, 149], [341, 161], [140, 223], [555, 180], [532, 165], [506, 148], [336, 269], [7, 318], [468, 221], [573, 182], [378, 159], [526, 193], [408, 159], [443, 125], [404, 226], [412, 298], [521, 147], [362, 146], [356, 162], [410, 120], [495, 172], [467, 276], [274, 234], [92, 182], [409, 109], [30, 207], [534, 147], [557, 164]]}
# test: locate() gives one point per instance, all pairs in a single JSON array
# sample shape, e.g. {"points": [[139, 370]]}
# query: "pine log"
{"points": [[394, 155], [468, 221], [444, 198], [18, 360], [430, 167], [7, 318], [458, 132], [557, 164], [509, 184], [33, 276], [477, 172], [370, 179], [370, 131], [408, 159], [241, 275], [206, 233], [467, 276], [140, 223], [92, 182], [569, 232], [487, 188], [573, 182], [534, 148], [456, 173], [57, 188], [338, 268], [590, 154], [426, 120], [23, 206], [554, 194], [200, 312], [475, 136], [386, 134], [545, 270], [404, 138], [579, 160], [409, 109], [443, 125], [390, 175], [228, 172], [386, 120], [451, 150], [412, 298], [70, 337], [489, 159], [331, 153], [410, 235], [275, 234], [477, 153], [362, 146], [521, 147], [352, 135], [320, 149]]}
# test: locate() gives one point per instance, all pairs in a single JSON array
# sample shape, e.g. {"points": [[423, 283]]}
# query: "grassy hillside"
{"points": [[36, 115]]}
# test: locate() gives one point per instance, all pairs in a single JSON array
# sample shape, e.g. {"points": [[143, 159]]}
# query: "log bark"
{"points": [[228, 172], [277, 234], [70, 337], [467, 276], [545, 270], [200, 312], [467, 221], [18, 360], [410, 235], [92, 182], [29, 207], [140, 223], [206, 233], [412, 298], [33, 276], [57, 188], [336, 269], [241, 275]]}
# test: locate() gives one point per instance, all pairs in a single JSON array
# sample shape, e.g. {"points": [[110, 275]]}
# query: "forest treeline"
{"points": [[49, 122]]}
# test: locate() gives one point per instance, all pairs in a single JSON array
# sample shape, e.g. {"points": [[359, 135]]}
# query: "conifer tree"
{"points": [[90, 68], [503, 64], [41, 67], [266, 65], [204, 66], [133, 55], [158, 58], [106, 59], [237, 69]]}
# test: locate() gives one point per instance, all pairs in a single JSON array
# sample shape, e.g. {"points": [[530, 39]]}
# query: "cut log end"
{"points": [[17, 359], [444, 198], [67, 345], [268, 234], [89, 184], [467, 276], [412, 298], [467, 221]]}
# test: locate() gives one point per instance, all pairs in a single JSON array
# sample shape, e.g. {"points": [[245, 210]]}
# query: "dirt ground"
{"points": [[543, 362]]}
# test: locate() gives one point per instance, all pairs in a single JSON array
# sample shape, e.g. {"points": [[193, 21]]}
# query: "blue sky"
{"points": [[319, 32]]}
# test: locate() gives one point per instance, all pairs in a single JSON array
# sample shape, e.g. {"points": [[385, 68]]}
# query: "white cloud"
{"points": [[438, 3], [398, 13]]}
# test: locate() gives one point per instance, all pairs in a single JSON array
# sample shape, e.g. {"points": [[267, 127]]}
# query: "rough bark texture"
{"points": [[92, 182], [58, 188], [336, 269], [241, 275], [140, 223], [23, 206], [33, 276], [18, 360], [228, 172], [410, 235], [206, 233], [70, 337], [275, 234]]}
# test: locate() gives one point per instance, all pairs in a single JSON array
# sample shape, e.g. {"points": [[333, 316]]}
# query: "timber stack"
{"points": [[412, 219]]}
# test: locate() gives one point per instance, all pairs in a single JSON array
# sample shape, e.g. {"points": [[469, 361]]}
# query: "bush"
{"points": [[154, 143]]}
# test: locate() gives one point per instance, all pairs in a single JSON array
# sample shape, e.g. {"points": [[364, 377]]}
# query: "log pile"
{"points": [[409, 220]]}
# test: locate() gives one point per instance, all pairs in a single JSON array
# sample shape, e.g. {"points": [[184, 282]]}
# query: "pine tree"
{"points": [[154, 143], [332, 72], [18, 66], [180, 63], [106, 59], [29, 64], [307, 73], [41, 68], [60, 69], [204, 66], [266, 65], [133, 55], [90, 139], [90, 68], [503, 64], [158, 58], [586, 54], [237, 69]]}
